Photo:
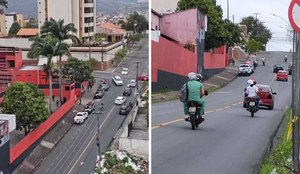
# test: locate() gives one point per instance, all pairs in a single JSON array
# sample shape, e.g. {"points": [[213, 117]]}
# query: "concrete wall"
{"points": [[9, 21], [181, 26], [134, 146], [155, 22]]}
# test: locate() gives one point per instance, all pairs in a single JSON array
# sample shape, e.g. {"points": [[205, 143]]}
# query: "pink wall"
{"points": [[181, 26], [215, 60], [155, 22], [171, 57], [35, 135]]}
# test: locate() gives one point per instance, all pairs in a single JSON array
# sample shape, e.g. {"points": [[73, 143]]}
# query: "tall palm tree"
{"points": [[3, 3], [47, 46], [62, 32]]}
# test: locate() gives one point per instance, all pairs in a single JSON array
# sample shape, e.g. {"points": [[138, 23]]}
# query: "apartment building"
{"points": [[80, 12]]}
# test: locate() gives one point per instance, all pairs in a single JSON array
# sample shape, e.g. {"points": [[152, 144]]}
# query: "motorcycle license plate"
{"points": [[252, 103], [192, 109]]}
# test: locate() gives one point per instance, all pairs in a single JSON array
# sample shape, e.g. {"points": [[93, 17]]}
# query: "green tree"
{"points": [[257, 30], [216, 33], [78, 70], [27, 102], [62, 32], [234, 33], [3, 3], [253, 46], [136, 23], [47, 46], [14, 29]]}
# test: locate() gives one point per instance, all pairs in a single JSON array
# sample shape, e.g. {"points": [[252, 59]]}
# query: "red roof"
{"points": [[28, 32]]}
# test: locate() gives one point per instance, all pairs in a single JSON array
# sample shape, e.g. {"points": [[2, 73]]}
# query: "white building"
{"points": [[80, 12]]}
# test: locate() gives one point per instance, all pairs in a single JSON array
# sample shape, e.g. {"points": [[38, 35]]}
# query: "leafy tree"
{"points": [[257, 30], [253, 46], [14, 29], [121, 54], [216, 33], [27, 102], [136, 23], [3, 3], [47, 46], [233, 35], [62, 32], [78, 70]]}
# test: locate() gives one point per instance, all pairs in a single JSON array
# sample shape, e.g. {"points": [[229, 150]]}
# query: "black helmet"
{"points": [[199, 77]]}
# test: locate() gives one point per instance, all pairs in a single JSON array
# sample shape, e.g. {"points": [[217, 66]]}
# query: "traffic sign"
{"points": [[294, 15]]}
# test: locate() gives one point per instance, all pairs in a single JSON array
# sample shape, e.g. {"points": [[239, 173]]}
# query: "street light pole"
{"points": [[137, 74], [98, 136], [102, 64], [227, 9]]}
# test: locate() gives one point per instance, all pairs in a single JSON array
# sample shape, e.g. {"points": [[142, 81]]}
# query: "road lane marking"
{"points": [[90, 141], [182, 118]]}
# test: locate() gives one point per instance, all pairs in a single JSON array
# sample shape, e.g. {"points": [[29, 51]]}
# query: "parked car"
{"points": [[282, 75], [105, 86], [80, 117], [124, 71], [125, 109], [99, 94], [245, 69], [132, 83], [120, 100], [266, 96], [277, 67], [89, 107], [117, 80], [290, 69], [127, 91], [143, 77]]}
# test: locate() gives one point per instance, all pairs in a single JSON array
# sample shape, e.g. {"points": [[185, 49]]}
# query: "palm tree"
{"points": [[62, 32], [47, 46], [3, 3]]}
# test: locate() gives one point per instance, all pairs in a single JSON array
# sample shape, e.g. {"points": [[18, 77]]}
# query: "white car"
{"points": [[132, 83], [124, 71], [80, 117], [120, 100], [245, 69], [117, 80]]}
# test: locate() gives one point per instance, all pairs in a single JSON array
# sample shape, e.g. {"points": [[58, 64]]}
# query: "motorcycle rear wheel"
{"points": [[193, 121], [252, 113]]}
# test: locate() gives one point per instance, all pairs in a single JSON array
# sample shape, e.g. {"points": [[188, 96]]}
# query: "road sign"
{"points": [[294, 15]]}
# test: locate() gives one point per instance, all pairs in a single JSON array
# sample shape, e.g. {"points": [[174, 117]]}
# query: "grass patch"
{"points": [[279, 159]]}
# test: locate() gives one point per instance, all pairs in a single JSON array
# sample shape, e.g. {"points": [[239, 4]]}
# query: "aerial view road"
{"points": [[229, 141], [77, 151]]}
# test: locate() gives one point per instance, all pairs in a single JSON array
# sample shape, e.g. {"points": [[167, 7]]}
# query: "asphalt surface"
{"points": [[77, 151], [229, 141]]}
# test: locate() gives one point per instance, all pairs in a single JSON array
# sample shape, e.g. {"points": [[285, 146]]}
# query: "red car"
{"points": [[266, 96], [282, 75], [143, 77]]}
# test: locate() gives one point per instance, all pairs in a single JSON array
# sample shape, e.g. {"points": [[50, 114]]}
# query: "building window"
{"points": [[88, 1], [88, 10], [88, 29], [89, 20]]}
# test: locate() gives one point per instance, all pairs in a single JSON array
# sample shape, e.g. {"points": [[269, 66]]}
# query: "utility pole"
{"points": [[137, 74], [227, 9], [98, 136], [256, 22], [296, 104], [90, 57], [102, 66]]}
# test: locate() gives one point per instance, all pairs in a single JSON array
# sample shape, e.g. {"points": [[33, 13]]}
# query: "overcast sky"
{"points": [[240, 9]]}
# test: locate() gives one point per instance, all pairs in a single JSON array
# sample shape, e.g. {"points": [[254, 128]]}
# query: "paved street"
{"points": [[77, 151], [229, 141]]}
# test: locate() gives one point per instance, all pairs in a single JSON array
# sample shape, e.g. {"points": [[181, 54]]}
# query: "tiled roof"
{"points": [[111, 27], [28, 32]]}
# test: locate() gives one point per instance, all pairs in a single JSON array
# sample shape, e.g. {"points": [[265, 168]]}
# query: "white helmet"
{"points": [[250, 82], [192, 76]]}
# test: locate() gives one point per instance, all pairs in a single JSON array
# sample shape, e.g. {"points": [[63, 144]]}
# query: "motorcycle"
{"points": [[252, 106], [263, 62], [285, 59], [193, 109]]}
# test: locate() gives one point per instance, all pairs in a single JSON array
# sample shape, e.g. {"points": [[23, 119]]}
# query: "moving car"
{"points": [[124, 71], [127, 91], [143, 77], [99, 94], [117, 80], [282, 75], [89, 107], [105, 86], [277, 67], [132, 83], [120, 100], [125, 109], [266, 96], [245, 69], [80, 117]]}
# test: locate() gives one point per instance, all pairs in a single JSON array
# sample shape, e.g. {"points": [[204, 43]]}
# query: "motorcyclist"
{"points": [[285, 58], [263, 60], [251, 92], [195, 91]]}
